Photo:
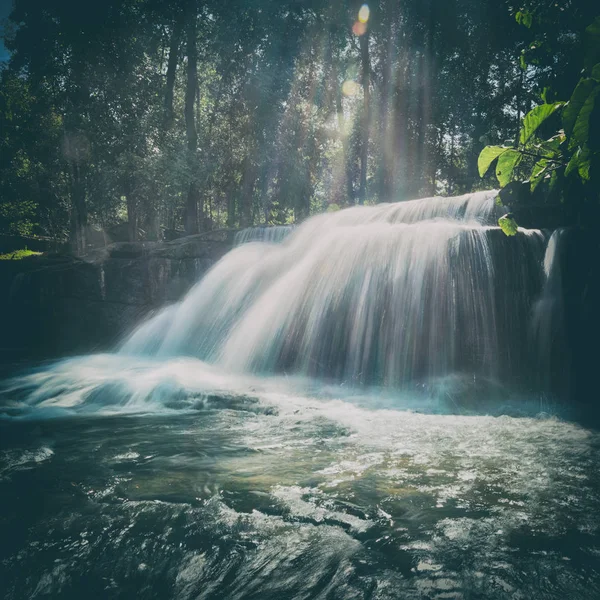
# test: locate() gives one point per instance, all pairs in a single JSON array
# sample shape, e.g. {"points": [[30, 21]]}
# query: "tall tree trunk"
{"points": [[191, 205], [366, 81], [424, 184], [401, 134], [152, 224], [230, 185], [247, 192], [383, 185], [172, 67], [132, 213], [451, 170], [339, 109], [519, 103], [230, 194], [78, 211], [385, 129], [78, 218]]}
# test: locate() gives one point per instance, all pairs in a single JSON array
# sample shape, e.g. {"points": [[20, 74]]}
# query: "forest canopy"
{"points": [[171, 117]]}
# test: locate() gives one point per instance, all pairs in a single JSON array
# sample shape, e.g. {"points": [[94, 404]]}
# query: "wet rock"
{"points": [[57, 304]]}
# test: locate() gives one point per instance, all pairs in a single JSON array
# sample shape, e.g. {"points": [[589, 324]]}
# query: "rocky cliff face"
{"points": [[55, 305]]}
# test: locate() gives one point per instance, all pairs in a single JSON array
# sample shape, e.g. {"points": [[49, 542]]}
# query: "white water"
{"points": [[270, 235], [386, 294], [318, 498], [547, 321]]}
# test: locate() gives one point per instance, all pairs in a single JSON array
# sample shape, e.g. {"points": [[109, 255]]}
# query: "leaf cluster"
{"points": [[565, 165]]}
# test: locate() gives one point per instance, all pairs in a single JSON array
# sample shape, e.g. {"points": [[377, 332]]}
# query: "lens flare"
{"points": [[364, 13], [359, 28]]}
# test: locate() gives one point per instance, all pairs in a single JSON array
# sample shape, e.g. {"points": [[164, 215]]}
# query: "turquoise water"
{"points": [[123, 479]]}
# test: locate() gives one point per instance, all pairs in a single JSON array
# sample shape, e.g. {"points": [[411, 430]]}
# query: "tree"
{"points": [[167, 117]]}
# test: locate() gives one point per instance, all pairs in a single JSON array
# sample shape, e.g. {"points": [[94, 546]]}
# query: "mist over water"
{"points": [[347, 412]]}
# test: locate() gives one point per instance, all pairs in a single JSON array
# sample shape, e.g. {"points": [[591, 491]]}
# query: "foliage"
{"points": [[19, 254], [290, 111], [508, 224], [16, 217], [566, 163]]}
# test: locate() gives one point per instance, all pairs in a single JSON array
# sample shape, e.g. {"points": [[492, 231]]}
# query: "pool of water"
{"points": [[139, 480]]}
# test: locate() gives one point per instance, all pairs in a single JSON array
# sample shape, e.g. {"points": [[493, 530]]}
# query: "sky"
{"points": [[5, 6]]}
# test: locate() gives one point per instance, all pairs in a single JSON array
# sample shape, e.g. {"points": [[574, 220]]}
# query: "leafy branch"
{"points": [[571, 154]]}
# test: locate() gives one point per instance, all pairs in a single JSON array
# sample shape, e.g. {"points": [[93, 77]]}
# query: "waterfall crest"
{"points": [[387, 295], [270, 235]]}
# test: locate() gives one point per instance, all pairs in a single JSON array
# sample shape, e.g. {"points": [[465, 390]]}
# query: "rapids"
{"points": [[269, 493]]}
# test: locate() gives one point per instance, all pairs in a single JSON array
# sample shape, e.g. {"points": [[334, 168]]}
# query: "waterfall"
{"points": [[386, 295], [547, 321], [269, 234]]}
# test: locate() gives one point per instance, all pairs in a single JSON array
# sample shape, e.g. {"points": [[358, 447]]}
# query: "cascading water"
{"points": [[386, 295], [547, 323], [269, 234]]}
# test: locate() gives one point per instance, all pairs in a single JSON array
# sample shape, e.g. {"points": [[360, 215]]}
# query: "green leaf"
{"points": [[534, 118], [552, 145], [581, 93], [572, 166], [581, 130], [524, 17], [592, 44], [508, 225], [596, 72], [507, 161], [488, 155], [522, 61], [538, 172], [584, 169], [580, 163], [548, 95]]}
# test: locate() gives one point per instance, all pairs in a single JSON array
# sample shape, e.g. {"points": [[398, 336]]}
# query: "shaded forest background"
{"points": [[169, 117]]}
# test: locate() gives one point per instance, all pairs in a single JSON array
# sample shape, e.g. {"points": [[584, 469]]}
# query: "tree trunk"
{"points": [[247, 192], [342, 127], [451, 171], [191, 209], [78, 211], [230, 185], [401, 135], [78, 218], [230, 207], [519, 101], [364, 149], [152, 224], [423, 183], [132, 216], [172, 67], [385, 171], [191, 205]]}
